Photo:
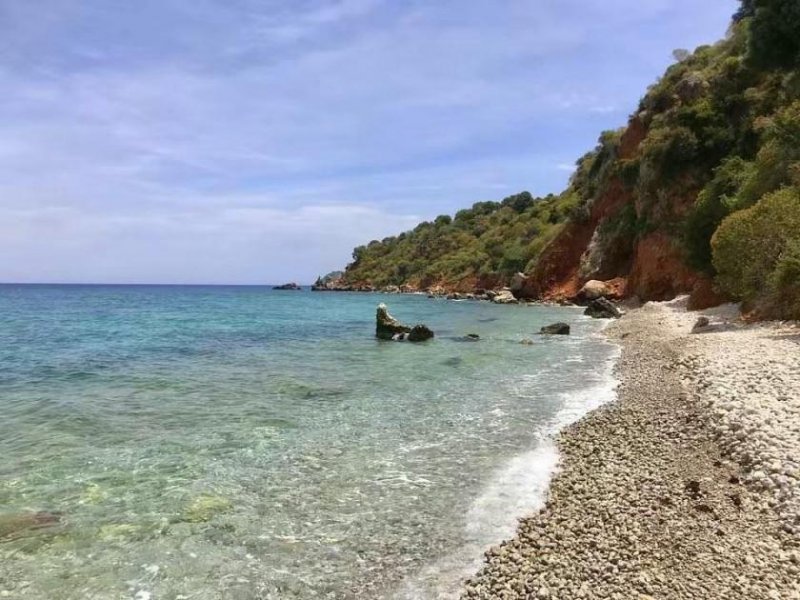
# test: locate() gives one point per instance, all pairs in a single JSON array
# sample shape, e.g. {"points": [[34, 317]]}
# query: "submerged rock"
{"points": [[205, 507], [556, 329], [18, 524], [601, 308]]}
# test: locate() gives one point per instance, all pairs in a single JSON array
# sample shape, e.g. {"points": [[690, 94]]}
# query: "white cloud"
{"points": [[164, 140]]}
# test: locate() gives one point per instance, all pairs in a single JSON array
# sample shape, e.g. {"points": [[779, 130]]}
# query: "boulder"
{"points": [[556, 329], [420, 333], [386, 326], [518, 284], [286, 286], [473, 336], [594, 289], [701, 324], [601, 308], [504, 297]]}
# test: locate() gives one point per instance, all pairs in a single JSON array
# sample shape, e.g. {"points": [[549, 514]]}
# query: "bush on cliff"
{"points": [[774, 32], [755, 251]]}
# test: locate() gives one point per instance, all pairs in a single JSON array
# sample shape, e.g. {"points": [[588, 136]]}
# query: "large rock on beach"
{"points": [[701, 324], [556, 329], [592, 290], [518, 284], [601, 308], [504, 297]]}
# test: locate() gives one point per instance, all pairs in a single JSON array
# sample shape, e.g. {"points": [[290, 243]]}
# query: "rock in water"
{"points": [[387, 327], [601, 308], [556, 329], [420, 333], [701, 324], [287, 286], [17, 525]]}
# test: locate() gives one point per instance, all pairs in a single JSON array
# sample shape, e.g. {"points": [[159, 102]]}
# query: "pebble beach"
{"points": [[685, 487]]}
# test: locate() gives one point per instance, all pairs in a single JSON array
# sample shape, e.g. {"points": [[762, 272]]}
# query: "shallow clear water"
{"points": [[243, 443]]}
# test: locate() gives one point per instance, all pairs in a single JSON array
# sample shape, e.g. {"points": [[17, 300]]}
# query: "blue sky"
{"points": [[252, 141]]}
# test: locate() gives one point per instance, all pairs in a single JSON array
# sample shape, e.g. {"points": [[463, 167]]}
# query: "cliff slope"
{"points": [[699, 193]]}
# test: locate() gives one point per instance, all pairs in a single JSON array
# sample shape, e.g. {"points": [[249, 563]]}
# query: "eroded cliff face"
{"points": [[587, 249], [625, 240]]}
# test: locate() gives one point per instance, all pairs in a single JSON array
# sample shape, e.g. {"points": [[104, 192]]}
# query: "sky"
{"points": [[259, 141]]}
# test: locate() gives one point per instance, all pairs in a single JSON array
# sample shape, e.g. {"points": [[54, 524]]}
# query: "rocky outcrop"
{"points": [[386, 326], [557, 274], [389, 328], [287, 286], [332, 282], [420, 333], [556, 329], [602, 309], [519, 282]]}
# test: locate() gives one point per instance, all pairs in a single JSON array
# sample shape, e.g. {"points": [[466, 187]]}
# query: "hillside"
{"points": [[699, 193]]}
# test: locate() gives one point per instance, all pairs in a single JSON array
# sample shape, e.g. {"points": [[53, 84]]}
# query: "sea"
{"points": [[242, 443]]}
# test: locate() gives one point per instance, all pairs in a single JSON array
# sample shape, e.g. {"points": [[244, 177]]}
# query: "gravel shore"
{"points": [[687, 487]]}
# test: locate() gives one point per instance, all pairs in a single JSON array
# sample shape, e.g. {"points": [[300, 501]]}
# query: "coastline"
{"points": [[684, 487]]}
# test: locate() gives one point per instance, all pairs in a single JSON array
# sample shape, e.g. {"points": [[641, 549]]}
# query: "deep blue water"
{"points": [[243, 443]]}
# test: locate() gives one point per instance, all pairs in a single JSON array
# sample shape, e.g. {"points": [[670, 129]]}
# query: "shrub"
{"points": [[749, 245], [785, 281], [714, 203]]}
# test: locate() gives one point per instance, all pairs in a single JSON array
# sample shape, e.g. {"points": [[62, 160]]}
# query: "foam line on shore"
{"points": [[517, 489]]}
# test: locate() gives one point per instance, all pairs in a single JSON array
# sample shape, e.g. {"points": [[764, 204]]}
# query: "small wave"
{"points": [[518, 489]]}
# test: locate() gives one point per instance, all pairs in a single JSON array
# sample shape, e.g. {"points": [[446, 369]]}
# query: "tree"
{"points": [[681, 54], [774, 33], [747, 9]]}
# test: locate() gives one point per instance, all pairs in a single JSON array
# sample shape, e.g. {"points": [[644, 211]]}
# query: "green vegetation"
{"points": [[491, 239], [757, 251], [719, 160]]}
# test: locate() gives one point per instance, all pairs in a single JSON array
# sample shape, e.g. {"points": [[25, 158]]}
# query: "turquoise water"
{"points": [[244, 443]]}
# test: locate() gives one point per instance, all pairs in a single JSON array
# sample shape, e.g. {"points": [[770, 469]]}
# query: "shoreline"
{"points": [[659, 494]]}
